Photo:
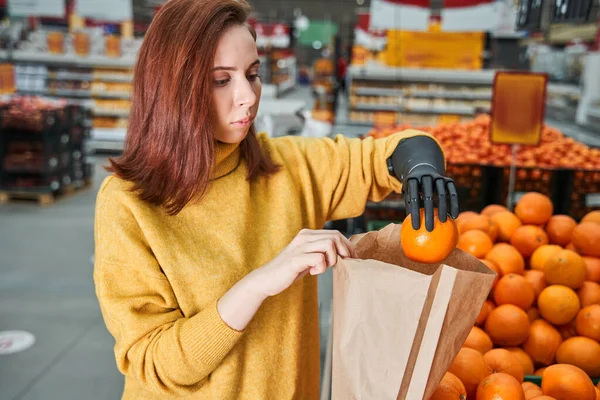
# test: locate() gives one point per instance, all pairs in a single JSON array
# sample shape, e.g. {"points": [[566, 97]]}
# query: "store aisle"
{"points": [[46, 288]]}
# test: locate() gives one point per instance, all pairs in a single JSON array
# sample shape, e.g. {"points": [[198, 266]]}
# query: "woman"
{"points": [[206, 234]]}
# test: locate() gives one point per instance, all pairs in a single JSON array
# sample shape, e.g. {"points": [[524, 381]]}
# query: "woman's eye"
{"points": [[221, 82], [253, 77]]}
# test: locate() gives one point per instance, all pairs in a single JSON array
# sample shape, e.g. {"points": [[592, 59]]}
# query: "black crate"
{"points": [[390, 209], [581, 193], [34, 183], [549, 182], [473, 182]]}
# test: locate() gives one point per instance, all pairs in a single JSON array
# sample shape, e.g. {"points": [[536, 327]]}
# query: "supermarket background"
{"points": [[355, 67]]}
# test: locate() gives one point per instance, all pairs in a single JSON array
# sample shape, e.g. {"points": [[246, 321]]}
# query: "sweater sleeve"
{"points": [[348, 172], [164, 350]]}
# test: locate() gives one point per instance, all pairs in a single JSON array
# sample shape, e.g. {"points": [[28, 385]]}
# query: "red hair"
{"points": [[170, 145]]}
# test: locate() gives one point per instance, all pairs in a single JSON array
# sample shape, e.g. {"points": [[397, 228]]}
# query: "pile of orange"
{"points": [[469, 142], [543, 314]]}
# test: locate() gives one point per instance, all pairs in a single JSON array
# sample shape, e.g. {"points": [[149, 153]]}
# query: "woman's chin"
{"points": [[233, 135]]}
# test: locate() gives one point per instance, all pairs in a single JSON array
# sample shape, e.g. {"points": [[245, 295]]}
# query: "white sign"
{"points": [[475, 16], [15, 341], [105, 10], [36, 8], [592, 200], [399, 14]]}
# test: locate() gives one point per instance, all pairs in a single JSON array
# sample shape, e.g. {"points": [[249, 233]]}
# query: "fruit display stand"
{"points": [[566, 171], [419, 97], [43, 149]]}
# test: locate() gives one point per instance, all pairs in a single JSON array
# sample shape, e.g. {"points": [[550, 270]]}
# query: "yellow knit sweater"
{"points": [[158, 277]]}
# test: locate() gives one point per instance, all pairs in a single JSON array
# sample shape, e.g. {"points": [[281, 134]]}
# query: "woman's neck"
{"points": [[227, 158]]}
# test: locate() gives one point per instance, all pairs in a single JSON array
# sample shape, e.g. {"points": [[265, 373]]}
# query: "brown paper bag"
{"points": [[397, 324]]}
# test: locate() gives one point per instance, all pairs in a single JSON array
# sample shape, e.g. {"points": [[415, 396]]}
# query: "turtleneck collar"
{"points": [[227, 158]]}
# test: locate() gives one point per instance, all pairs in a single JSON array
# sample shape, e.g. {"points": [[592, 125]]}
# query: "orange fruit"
{"points": [[537, 280], [465, 215], [428, 247], [560, 228], [488, 306], [565, 268], [586, 239], [533, 313], [530, 386], [597, 393], [507, 223], [478, 340], [514, 289], [470, 367], [541, 255], [592, 265], [587, 322], [543, 397], [589, 294], [475, 242], [479, 222], [581, 352], [534, 208], [558, 304], [567, 382], [507, 258], [502, 360], [493, 209], [450, 388], [523, 358], [542, 343], [533, 393], [500, 386], [507, 325], [527, 238], [540, 372], [567, 330], [592, 216], [494, 231], [492, 265], [571, 247]]}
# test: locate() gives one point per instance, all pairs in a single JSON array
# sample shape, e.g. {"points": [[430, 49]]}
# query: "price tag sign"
{"points": [[518, 108], [36, 8], [105, 10], [592, 200]]}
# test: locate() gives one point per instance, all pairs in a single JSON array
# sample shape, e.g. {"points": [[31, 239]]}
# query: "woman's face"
{"points": [[236, 85]]}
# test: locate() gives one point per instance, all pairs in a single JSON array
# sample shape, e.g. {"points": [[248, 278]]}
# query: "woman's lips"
{"points": [[243, 122]]}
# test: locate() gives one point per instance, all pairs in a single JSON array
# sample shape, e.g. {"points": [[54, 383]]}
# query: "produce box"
{"points": [[581, 193], [547, 181], [390, 209], [473, 183]]}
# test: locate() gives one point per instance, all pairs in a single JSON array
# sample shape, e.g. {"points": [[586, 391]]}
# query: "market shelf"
{"points": [[99, 112], [377, 107], [422, 110], [379, 92], [69, 76], [448, 94], [109, 134], [57, 92], [442, 94], [72, 59], [380, 72], [112, 78], [111, 95]]}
